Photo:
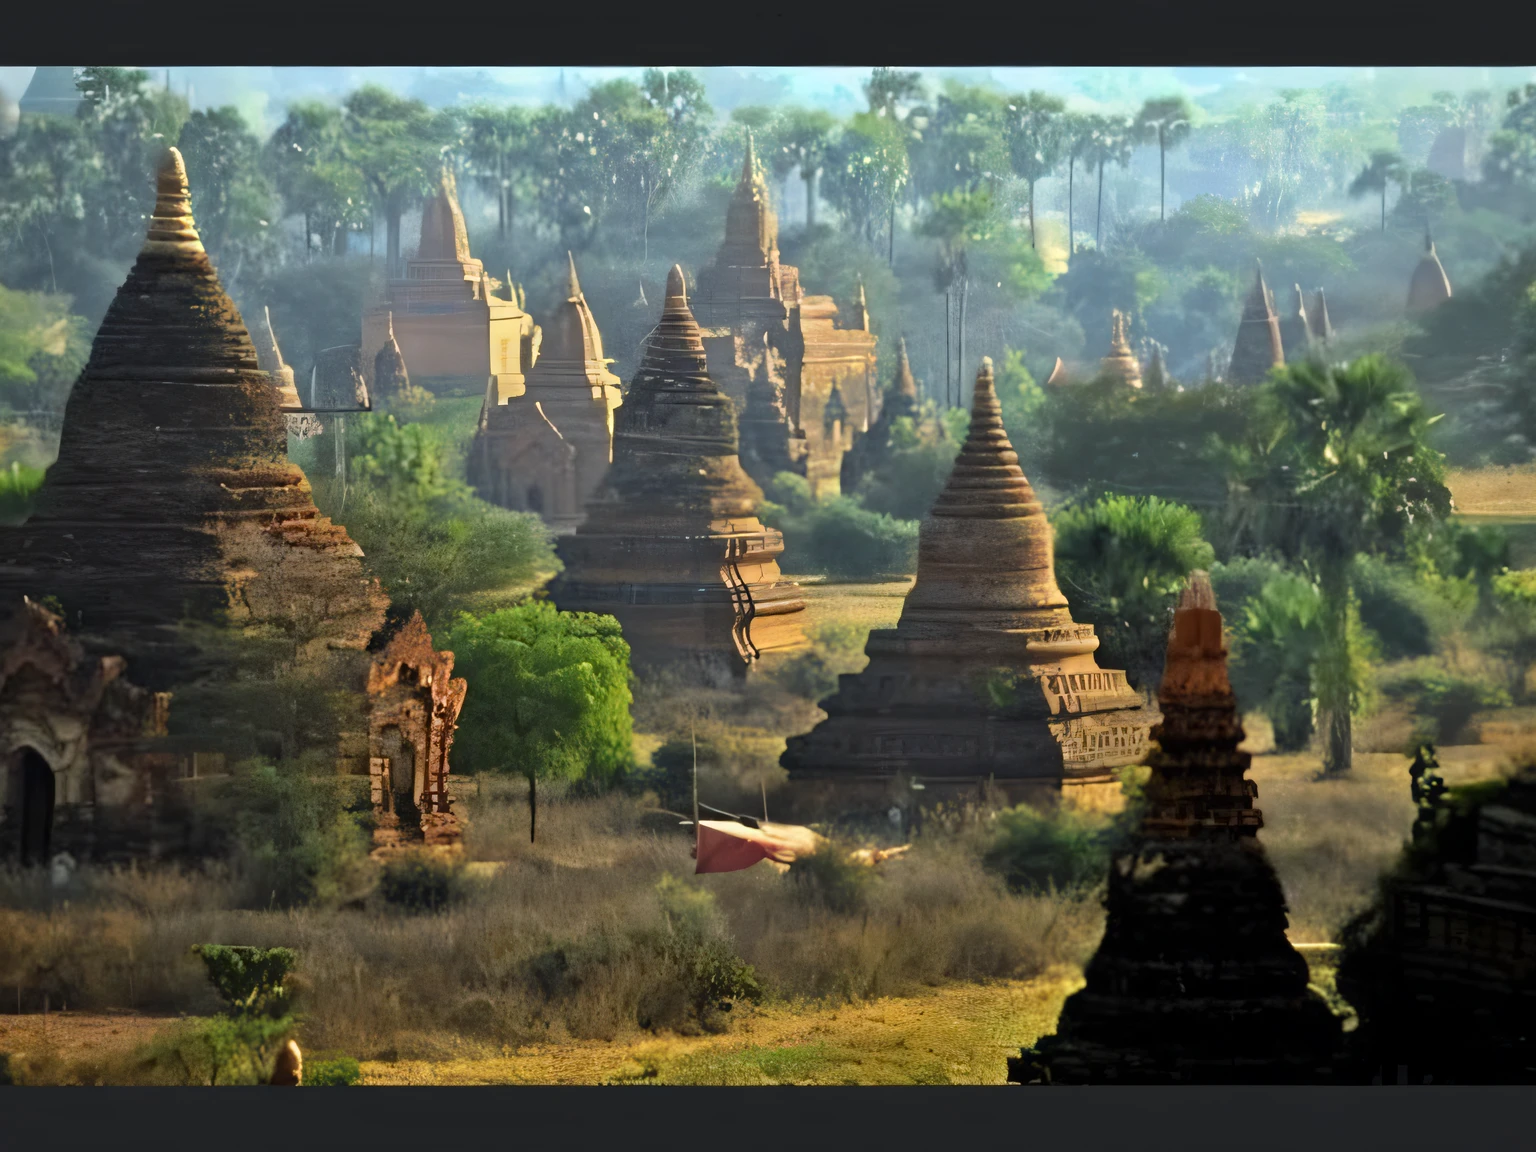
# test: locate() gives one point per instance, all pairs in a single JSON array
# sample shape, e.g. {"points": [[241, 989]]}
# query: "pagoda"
{"points": [[172, 504], [53, 91], [1195, 981], [873, 448], [986, 677], [1296, 328], [1317, 318], [746, 287], [451, 327], [390, 375], [671, 544], [1430, 286], [1258, 347], [1120, 362], [547, 450], [770, 444]]}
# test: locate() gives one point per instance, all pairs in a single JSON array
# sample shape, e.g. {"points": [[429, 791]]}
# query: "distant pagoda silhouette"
{"points": [[1258, 347]]}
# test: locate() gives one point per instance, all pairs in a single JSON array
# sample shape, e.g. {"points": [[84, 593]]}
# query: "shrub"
{"points": [[837, 536], [337, 1072], [1061, 849], [832, 880], [1446, 698], [422, 882], [249, 980], [713, 975], [18, 489]]}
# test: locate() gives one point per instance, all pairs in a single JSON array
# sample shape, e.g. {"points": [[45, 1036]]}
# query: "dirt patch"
{"points": [[72, 1036]]}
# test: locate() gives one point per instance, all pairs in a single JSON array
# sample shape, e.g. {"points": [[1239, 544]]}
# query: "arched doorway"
{"points": [[36, 808], [401, 754]]}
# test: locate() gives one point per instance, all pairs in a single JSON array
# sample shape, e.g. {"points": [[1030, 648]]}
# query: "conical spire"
{"points": [[390, 375], [986, 480], [573, 285], [904, 384], [171, 230], [1317, 317], [572, 349], [270, 358], [1121, 361], [1430, 286], [675, 350], [1258, 347]]}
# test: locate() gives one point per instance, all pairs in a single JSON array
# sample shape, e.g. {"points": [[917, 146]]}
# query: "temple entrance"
{"points": [[36, 807], [401, 754]]}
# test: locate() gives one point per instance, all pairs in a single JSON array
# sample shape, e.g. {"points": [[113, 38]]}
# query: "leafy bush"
{"points": [[1060, 849], [242, 1044], [249, 980], [1446, 698], [336, 1072], [713, 975], [1278, 636], [837, 536], [833, 880], [422, 882]]}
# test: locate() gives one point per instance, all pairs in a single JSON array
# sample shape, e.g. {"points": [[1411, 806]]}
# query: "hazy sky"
{"points": [[262, 93]]}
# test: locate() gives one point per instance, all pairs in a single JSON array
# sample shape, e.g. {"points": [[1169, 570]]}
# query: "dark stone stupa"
{"points": [[1258, 347], [1195, 981]]}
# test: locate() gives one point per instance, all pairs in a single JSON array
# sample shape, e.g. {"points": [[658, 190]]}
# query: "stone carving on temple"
{"points": [[172, 503], [452, 327], [1195, 980], [1120, 362], [413, 708], [1430, 286], [671, 544], [547, 449], [1258, 347], [986, 678]]}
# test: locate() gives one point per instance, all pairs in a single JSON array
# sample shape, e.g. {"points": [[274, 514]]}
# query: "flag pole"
{"points": [[764, 785], [693, 739]]}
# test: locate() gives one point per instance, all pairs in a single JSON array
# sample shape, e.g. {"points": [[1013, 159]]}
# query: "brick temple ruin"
{"points": [[546, 448], [671, 544], [1195, 981], [172, 512], [830, 394], [874, 448], [452, 328], [986, 678], [1258, 347]]}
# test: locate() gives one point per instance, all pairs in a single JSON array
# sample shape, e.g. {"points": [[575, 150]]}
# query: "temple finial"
{"points": [[171, 227], [573, 287], [677, 292]]}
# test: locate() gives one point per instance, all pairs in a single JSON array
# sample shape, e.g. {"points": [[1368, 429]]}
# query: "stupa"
{"points": [[1317, 318], [390, 374], [1195, 981], [1258, 347], [1296, 328], [1430, 287], [1120, 361], [453, 330], [172, 502], [873, 448], [269, 357], [547, 449], [746, 287], [769, 443], [672, 545], [986, 677], [52, 91]]}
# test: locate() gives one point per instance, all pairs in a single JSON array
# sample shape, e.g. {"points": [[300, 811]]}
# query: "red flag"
{"points": [[727, 846]]}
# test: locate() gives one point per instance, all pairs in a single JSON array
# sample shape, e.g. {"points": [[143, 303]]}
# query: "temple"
{"points": [[413, 708], [874, 447], [172, 506], [1430, 286], [1317, 318], [1195, 980], [53, 91], [830, 393], [391, 376], [671, 544], [770, 444], [986, 677], [1258, 347], [451, 327], [1296, 327], [1120, 362], [547, 449]]}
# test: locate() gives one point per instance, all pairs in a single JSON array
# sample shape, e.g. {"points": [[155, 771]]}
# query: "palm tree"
{"points": [[1076, 131], [1338, 464], [1384, 166], [1035, 141], [1109, 141], [498, 141], [1167, 121], [806, 135], [958, 220]]}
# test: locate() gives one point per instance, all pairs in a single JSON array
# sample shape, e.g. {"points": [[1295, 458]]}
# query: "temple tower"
{"points": [[1296, 328], [986, 676], [1258, 347], [873, 448], [390, 374], [1120, 361], [746, 287], [547, 450], [1195, 980], [1317, 318], [51, 92], [452, 328], [769, 443], [671, 544], [1430, 286]]}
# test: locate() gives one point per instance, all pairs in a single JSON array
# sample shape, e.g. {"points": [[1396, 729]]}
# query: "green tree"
{"points": [[867, 175], [890, 90], [396, 146], [500, 143], [231, 197], [806, 135], [1124, 560], [311, 175], [1337, 464], [1384, 168], [132, 121], [959, 221], [551, 695], [1167, 121], [1035, 141], [1076, 133], [1110, 141]]}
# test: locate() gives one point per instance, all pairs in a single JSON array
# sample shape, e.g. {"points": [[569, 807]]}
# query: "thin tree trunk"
{"points": [[1162, 177], [1098, 219], [890, 260], [1071, 165], [948, 351], [965, 285], [373, 232], [1335, 674], [533, 807], [1032, 214], [810, 199], [306, 237]]}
